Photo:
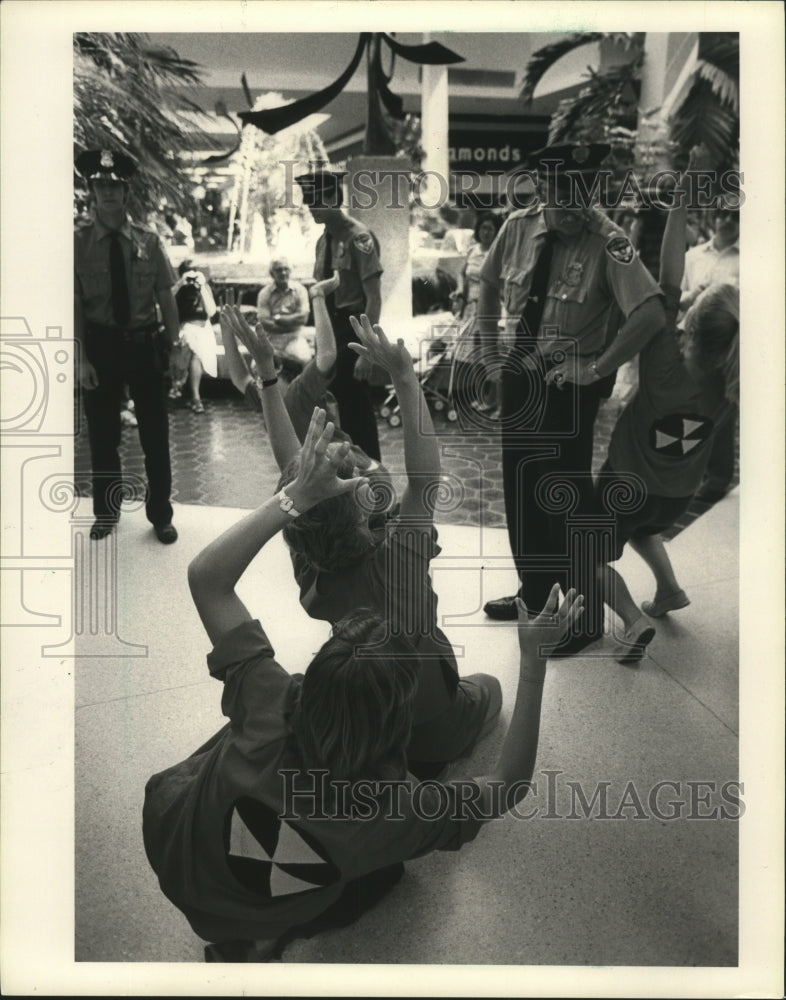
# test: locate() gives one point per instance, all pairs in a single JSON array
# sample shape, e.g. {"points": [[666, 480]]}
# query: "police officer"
{"points": [[353, 250], [121, 274], [571, 277]]}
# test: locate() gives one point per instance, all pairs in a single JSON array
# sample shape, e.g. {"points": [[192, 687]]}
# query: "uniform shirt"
{"points": [[706, 265], [393, 580], [355, 257], [664, 433], [590, 278], [241, 857], [292, 300], [148, 271]]}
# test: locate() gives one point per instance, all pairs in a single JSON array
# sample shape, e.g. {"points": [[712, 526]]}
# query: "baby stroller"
{"points": [[434, 372]]}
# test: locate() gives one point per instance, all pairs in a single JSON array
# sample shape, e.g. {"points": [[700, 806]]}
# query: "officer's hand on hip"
{"points": [[88, 378]]}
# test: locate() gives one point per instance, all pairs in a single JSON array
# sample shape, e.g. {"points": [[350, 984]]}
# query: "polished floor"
{"points": [[639, 881]]}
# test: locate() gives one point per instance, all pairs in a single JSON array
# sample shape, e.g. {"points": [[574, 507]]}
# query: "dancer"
{"points": [[345, 557], [665, 434], [261, 836]]}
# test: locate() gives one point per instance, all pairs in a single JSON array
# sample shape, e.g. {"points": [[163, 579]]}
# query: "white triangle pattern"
{"points": [[291, 849], [689, 445], [688, 426], [284, 884], [242, 842], [664, 440]]}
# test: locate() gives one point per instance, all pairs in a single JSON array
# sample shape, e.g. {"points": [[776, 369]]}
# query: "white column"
{"points": [[434, 120]]}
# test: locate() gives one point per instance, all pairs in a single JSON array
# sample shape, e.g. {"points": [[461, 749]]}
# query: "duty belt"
{"points": [[134, 334]]}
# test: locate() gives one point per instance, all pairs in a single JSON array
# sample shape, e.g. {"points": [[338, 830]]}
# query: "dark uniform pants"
{"points": [[355, 406], [139, 361], [549, 432]]}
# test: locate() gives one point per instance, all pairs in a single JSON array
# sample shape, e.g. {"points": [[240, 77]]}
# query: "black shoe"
{"points": [[165, 533], [101, 528], [503, 609], [572, 645], [710, 495]]}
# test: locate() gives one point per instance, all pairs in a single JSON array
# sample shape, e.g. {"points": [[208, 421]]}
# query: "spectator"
{"points": [[282, 309], [197, 312]]}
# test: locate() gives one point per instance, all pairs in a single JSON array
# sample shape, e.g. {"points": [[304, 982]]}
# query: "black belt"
{"points": [[133, 333]]}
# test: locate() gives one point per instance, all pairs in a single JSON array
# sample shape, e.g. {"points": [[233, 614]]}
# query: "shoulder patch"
{"points": [[620, 248], [364, 243]]}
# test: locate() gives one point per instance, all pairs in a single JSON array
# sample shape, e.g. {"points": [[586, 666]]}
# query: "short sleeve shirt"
{"points": [[230, 843], [393, 580], [355, 257], [292, 300], [664, 434], [148, 271], [592, 277], [706, 265]]}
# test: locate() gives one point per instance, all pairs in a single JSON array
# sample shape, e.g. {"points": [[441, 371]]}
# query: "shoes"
{"points": [[657, 609], [572, 645], [101, 528], [197, 406], [503, 609], [175, 393], [241, 951], [710, 494], [127, 418], [634, 642], [165, 533]]}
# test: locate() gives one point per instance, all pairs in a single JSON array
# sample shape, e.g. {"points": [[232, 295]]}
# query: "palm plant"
{"points": [[122, 100], [606, 108]]}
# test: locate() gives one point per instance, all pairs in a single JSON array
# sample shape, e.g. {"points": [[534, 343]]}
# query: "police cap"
{"points": [[584, 158], [321, 186], [105, 164]]}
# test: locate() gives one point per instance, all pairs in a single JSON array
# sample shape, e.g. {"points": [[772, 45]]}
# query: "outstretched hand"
{"points": [[551, 624], [317, 478], [376, 349], [255, 341], [325, 287]]}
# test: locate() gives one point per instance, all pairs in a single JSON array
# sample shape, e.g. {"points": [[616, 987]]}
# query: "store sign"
{"points": [[486, 150]]}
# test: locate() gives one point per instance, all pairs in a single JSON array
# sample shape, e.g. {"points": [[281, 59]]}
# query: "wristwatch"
{"points": [[287, 504]]}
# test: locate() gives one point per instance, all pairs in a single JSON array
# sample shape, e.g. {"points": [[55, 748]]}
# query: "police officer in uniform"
{"points": [[353, 250], [585, 305], [121, 274]]}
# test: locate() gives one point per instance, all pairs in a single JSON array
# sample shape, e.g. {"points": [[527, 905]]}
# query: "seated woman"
{"points": [[197, 311], [664, 435], [280, 825], [346, 556], [282, 309]]}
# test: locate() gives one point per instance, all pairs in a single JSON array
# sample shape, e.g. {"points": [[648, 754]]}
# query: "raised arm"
{"points": [[283, 439], [421, 451], [324, 336], [214, 573], [508, 782]]}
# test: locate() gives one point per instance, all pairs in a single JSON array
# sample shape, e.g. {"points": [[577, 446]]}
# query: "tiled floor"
{"points": [[221, 458]]}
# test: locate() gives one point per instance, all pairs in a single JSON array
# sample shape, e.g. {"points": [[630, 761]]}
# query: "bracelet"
{"points": [[268, 382], [593, 367]]}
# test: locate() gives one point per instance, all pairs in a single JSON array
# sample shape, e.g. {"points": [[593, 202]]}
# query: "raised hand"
{"points": [[317, 477], [375, 347], [255, 341], [325, 287], [550, 625]]}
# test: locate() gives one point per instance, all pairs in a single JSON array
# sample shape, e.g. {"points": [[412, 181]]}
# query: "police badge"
{"points": [[573, 274], [619, 248], [364, 243]]}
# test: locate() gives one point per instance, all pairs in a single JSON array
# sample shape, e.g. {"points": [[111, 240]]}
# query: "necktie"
{"points": [[327, 268], [117, 274], [533, 310]]}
